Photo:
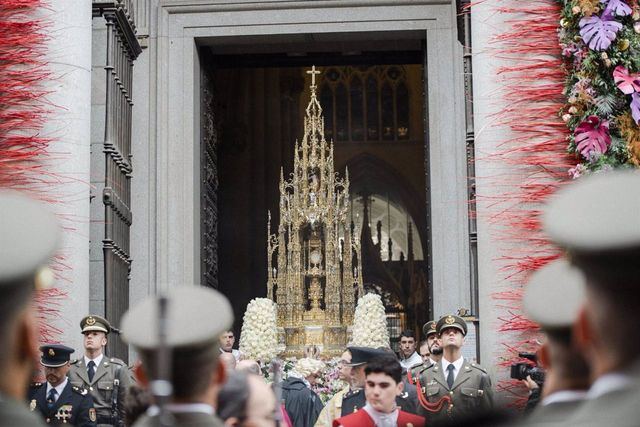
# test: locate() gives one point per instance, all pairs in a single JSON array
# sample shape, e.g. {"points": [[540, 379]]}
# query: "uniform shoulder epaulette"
{"points": [[80, 390], [417, 365], [117, 361], [36, 385], [351, 393], [478, 367]]}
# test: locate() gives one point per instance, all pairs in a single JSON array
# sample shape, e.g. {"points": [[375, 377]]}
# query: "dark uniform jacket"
{"points": [[355, 400], [102, 386], [470, 394], [74, 406], [14, 413], [301, 403]]}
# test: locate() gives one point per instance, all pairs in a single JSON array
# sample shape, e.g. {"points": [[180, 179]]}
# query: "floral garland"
{"points": [[600, 41], [370, 323], [258, 337]]}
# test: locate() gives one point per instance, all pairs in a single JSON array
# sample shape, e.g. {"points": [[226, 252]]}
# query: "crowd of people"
{"points": [[188, 372]]}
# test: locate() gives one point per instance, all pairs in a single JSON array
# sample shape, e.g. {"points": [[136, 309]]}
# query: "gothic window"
{"points": [[365, 103]]}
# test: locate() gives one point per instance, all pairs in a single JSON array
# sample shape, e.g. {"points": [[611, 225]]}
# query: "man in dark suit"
{"points": [[57, 400], [29, 236]]}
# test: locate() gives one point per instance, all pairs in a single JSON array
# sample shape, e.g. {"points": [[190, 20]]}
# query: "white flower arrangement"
{"points": [[370, 323], [259, 338]]}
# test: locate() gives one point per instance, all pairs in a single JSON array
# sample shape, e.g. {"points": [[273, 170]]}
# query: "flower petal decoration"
{"points": [[598, 32], [617, 7], [627, 83], [635, 107], [592, 136]]}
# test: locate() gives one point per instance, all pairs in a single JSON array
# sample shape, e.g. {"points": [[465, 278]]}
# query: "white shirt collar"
{"points": [[564, 396], [414, 359], [97, 360], [607, 383], [380, 418], [457, 365], [178, 408], [59, 388]]}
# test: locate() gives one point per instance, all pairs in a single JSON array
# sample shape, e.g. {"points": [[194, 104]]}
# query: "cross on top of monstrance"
{"points": [[313, 73]]}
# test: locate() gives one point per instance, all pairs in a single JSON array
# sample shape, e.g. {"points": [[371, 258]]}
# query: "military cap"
{"points": [[362, 355], [195, 316], [597, 213], [429, 328], [29, 235], [55, 355], [451, 321], [94, 323], [554, 295]]}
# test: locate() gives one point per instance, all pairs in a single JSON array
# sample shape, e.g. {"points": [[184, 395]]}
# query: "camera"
{"points": [[520, 371]]}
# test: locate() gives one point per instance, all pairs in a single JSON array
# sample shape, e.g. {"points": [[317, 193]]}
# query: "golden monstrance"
{"points": [[315, 249]]}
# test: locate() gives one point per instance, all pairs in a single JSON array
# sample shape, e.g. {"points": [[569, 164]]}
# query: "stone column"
{"points": [[69, 60], [486, 24]]}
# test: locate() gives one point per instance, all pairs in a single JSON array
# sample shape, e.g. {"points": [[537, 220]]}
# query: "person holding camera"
{"points": [[566, 372]]}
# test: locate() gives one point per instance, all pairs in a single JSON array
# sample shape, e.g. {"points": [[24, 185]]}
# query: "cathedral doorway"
{"points": [[373, 101]]}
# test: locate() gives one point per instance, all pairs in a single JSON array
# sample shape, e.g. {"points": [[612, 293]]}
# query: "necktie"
{"points": [[91, 369], [51, 398], [450, 368]]}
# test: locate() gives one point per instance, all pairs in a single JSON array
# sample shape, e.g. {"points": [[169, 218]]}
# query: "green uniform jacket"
{"points": [[102, 386], [471, 392]]}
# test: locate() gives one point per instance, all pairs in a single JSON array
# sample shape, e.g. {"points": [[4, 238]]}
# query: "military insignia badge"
{"points": [[92, 415], [450, 320], [91, 321], [32, 405], [51, 352], [64, 413]]}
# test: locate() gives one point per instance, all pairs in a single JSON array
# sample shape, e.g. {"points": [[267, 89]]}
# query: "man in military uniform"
{"points": [[432, 341], [107, 379], [56, 399], [454, 387], [195, 317], [552, 298], [596, 220], [355, 399], [29, 236]]}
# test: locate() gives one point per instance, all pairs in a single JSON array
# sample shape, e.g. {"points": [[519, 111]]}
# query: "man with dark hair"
{"points": [[227, 340], [195, 318], [383, 385], [106, 378], [423, 350], [455, 387], [29, 236], [567, 372], [356, 399], [430, 352], [56, 399], [408, 355], [596, 221]]}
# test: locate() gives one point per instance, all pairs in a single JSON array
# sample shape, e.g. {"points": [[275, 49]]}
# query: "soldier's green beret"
{"points": [[554, 295], [452, 321], [94, 323], [195, 316], [429, 328], [29, 236]]}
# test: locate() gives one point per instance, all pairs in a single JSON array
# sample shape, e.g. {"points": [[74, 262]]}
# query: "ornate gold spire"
{"points": [[316, 276]]}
